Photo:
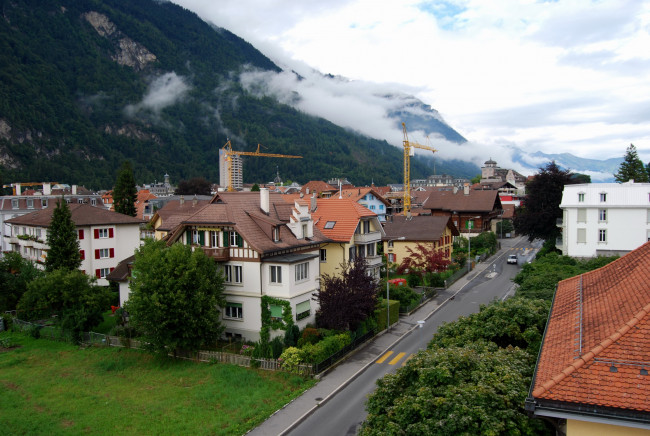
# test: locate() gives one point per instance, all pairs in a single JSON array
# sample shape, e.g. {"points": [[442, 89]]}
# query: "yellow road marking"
{"points": [[384, 357], [397, 358]]}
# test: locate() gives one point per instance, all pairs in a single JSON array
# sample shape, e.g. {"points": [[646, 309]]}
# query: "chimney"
{"points": [[194, 201], [466, 189], [17, 186], [264, 200], [455, 190], [307, 191], [182, 201], [313, 202], [74, 189], [47, 189]]}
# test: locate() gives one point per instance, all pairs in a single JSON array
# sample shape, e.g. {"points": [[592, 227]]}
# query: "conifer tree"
{"points": [[125, 192], [631, 168], [62, 240]]}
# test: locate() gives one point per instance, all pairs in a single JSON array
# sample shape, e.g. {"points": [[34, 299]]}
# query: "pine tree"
{"points": [[62, 240], [631, 168], [125, 192]]}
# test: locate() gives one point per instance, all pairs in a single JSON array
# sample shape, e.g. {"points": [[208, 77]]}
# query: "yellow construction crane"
{"points": [[230, 153], [408, 152]]}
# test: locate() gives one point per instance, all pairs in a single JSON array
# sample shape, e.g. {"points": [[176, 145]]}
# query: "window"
{"points": [[381, 207], [234, 310], [195, 237], [602, 214], [372, 207], [602, 235], [214, 239], [603, 197], [582, 236], [104, 253], [581, 197], [44, 203], [323, 255], [330, 224], [235, 240], [276, 311], [361, 250], [93, 201], [233, 273], [30, 203], [392, 258], [276, 234], [302, 310], [80, 201], [276, 274], [101, 273], [304, 231], [352, 253], [582, 215], [365, 227], [390, 244], [103, 233], [370, 250], [14, 204], [302, 271]]}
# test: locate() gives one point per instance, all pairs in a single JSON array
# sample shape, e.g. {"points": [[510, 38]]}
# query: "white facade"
{"points": [[605, 219]]}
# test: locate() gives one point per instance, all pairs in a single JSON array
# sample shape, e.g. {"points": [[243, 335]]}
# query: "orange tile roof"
{"points": [[344, 211], [317, 186], [599, 319], [141, 201]]}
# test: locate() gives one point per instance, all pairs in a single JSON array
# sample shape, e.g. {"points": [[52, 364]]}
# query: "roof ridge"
{"points": [[591, 355]]}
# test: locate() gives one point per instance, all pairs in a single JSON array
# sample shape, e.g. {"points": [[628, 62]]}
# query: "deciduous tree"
{"points": [[537, 216], [631, 168], [425, 258], [175, 296], [346, 299], [125, 192], [194, 186], [63, 252], [15, 273]]}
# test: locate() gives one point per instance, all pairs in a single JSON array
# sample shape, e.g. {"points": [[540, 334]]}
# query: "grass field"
{"points": [[52, 388]]}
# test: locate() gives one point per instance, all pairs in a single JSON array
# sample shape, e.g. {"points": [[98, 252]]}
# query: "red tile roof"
{"points": [[599, 319], [474, 201], [82, 215], [175, 211], [317, 186], [345, 212], [418, 228]]}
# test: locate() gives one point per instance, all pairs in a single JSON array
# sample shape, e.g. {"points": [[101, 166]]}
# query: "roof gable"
{"points": [[345, 212]]}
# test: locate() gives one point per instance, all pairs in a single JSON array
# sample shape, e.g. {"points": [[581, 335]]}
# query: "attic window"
{"points": [[330, 224], [276, 234]]}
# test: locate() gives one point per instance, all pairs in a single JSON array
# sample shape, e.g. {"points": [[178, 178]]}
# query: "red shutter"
{"points": [[81, 233], [82, 254], [112, 252], [96, 233], [96, 254], [97, 274], [110, 232], [111, 270]]}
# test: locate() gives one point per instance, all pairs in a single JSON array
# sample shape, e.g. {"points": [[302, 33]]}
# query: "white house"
{"points": [[105, 237], [604, 219]]}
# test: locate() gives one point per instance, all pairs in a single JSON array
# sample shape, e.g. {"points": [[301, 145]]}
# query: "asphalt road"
{"points": [[344, 413]]}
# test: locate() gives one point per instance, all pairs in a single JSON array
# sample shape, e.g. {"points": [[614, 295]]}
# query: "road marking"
{"points": [[384, 357], [397, 358], [407, 359]]}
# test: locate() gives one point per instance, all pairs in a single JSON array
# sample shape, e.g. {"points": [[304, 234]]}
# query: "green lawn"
{"points": [[54, 388]]}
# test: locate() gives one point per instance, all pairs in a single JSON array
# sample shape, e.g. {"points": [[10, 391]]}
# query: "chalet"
{"points": [[592, 376], [438, 231]]}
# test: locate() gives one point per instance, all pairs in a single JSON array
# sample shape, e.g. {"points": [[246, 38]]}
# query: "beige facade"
{"points": [[585, 428]]}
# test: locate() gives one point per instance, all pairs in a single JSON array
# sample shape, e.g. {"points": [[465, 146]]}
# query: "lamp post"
{"points": [[401, 238]]}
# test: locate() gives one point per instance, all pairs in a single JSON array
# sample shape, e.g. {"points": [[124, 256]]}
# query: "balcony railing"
{"points": [[364, 238], [373, 260], [218, 254]]}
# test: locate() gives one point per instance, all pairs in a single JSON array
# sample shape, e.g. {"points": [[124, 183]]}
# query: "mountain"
{"points": [[599, 170], [87, 84]]}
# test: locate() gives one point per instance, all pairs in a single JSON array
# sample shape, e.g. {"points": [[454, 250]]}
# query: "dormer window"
{"points": [[276, 234], [581, 197], [305, 230], [603, 197]]}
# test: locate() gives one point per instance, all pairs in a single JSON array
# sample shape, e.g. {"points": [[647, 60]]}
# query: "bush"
{"points": [[413, 279], [405, 295], [310, 335], [291, 358], [291, 336], [316, 353], [277, 346]]}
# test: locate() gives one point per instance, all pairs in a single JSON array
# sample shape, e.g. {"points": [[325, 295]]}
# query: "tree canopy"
{"points": [[125, 192], [15, 273], [194, 186], [346, 299], [631, 168], [537, 216], [425, 258], [63, 252], [175, 295], [70, 294]]}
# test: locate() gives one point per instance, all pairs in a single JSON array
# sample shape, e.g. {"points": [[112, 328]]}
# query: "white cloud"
{"points": [[556, 76], [163, 91]]}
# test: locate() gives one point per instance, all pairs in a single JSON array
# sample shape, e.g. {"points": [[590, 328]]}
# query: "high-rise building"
{"points": [[236, 169]]}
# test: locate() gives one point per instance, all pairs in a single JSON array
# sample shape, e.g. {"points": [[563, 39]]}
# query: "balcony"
{"points": [[366, 238], [373, 261], [218, 254]]}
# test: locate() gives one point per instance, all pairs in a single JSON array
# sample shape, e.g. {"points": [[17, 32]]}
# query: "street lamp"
{"points": [[401, 238], [470, 225]]}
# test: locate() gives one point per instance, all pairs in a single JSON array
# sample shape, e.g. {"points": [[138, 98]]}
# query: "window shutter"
{"points": [[226, 239], [111, 269], [82, 254], [202, 238], [276, 311], [97, 273], [96, 254], [302, 307], [188, 237], [112, 252], [110, 232], [240, 241], [96, 233], [81, 233]]}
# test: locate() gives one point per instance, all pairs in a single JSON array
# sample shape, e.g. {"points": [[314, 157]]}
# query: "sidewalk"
{"points": [[342, 374]]}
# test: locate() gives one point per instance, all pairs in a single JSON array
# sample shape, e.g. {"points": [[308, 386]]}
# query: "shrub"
{"points": [[310, 335], [291, 358], [277, 346], [413, 279], [291, 336], [316, 353], [405, 295]]}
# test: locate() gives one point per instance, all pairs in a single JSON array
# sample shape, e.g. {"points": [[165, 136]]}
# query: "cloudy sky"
{"points": [[552, 76]]}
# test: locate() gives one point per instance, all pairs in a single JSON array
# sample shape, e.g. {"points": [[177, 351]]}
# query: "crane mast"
{"points": [[408, 152], [230, 153]]}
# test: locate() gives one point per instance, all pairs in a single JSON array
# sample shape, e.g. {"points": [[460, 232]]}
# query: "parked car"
{"points": [[512, 259]]}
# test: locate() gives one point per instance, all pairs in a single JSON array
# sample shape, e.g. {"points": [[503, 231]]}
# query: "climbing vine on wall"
{"points": [[269, 322]]}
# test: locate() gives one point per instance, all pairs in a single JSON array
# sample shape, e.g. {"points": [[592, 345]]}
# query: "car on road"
{"points": [[512, 259]]}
